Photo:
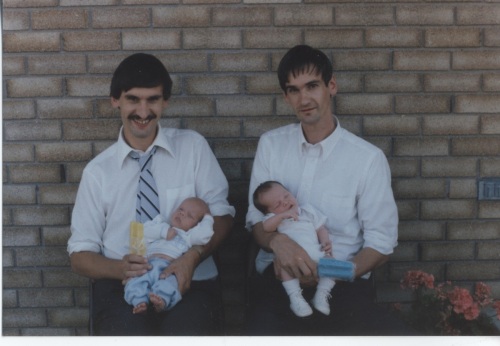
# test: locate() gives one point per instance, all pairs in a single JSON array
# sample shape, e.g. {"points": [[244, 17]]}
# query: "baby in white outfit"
{"points": [[305, 226]]}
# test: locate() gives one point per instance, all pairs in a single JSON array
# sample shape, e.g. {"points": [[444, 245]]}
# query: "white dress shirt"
{"points": [[344, 177], [183, 166]]}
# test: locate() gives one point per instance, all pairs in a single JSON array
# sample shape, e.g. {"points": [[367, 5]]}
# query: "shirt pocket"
{"points": [[339, 210], [175, 196]]}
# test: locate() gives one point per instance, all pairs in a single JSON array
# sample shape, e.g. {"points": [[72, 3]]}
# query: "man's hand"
{"points": [[132, 266], [183, 269], [293, 259]]}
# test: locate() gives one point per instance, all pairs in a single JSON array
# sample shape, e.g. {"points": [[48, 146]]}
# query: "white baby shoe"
{"points": [[320, 301], [299, 305]]}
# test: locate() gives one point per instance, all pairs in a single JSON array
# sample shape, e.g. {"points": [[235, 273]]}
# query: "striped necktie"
{"points": [[148, 203]]}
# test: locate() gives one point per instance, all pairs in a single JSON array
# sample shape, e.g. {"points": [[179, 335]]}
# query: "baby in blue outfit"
{"points": [[190, 224]]}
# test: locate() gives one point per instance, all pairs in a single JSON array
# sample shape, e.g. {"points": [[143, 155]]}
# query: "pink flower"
{"points": [[472, 312], [441, 304], [463, 303], [482, 294], [441, 292], [416, 278]]}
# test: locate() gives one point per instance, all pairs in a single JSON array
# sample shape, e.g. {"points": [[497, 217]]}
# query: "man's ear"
{"points": [[115, 103], [332, 85], [285, 96]]}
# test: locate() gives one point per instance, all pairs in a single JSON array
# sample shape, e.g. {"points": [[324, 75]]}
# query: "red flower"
{"points": [[463, 303], [416, 278], [443, 309], [482, 294], [472, 312]]}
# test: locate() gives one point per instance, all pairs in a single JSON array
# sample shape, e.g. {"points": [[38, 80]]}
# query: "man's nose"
{"points": [[304, 97], [142, 109]]}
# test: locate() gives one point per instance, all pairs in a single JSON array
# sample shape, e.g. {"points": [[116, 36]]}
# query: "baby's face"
{"points": [[278, 200], [187, 215]]}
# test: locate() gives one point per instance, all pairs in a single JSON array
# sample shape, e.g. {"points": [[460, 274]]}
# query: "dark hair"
{"points": [[302, 59], [262, 188], [140, 70]]}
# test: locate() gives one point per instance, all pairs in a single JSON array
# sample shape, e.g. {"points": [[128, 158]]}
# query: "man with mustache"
{"points": [[182, 165], [344, 177]]}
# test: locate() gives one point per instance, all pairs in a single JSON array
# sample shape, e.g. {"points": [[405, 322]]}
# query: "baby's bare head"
{"points": [[189, 213]]}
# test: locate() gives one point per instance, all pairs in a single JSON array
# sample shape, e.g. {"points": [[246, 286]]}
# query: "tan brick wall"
{"points": [[418, 79]]}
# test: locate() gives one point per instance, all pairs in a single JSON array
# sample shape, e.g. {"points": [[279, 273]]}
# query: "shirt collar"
{"points": [[161, 141], [325, 146]]}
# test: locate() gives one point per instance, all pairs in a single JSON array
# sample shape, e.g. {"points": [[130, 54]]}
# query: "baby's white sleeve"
{"points": [[201, 233], [268, 216], [156, 229]]}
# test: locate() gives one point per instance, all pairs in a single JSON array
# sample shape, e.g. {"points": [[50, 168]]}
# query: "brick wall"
{"points": [[418, 79]]}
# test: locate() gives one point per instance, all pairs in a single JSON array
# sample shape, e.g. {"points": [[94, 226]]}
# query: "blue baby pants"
{"points": [[137, 289]]}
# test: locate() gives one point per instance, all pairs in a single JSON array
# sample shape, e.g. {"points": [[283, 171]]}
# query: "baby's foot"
{"points": [[140, 308], [157, 301]]}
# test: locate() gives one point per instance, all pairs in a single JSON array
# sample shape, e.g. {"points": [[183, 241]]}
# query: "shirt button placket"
{"points": [[312, 155]]}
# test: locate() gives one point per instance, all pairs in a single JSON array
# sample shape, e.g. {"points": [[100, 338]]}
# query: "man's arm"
{"points": [[96, 266], [379, 214], [289, 255], [367, 260], [222, 228], [184, 266]]}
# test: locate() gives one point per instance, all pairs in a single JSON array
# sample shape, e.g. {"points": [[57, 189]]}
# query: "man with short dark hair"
{"points": [[109, 198], [344, 177]]}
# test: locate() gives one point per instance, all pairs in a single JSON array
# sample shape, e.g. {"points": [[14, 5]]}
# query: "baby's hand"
{"points": [[327, 248], [171, 233], [290, 214]]}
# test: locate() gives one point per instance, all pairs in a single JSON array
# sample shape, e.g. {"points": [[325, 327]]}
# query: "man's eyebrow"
{"points": [[311, 82], [154, 97], [151, 98]]}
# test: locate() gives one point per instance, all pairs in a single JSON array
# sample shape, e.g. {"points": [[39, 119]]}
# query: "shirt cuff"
{"points": [[221, 210], [80, 247]]}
